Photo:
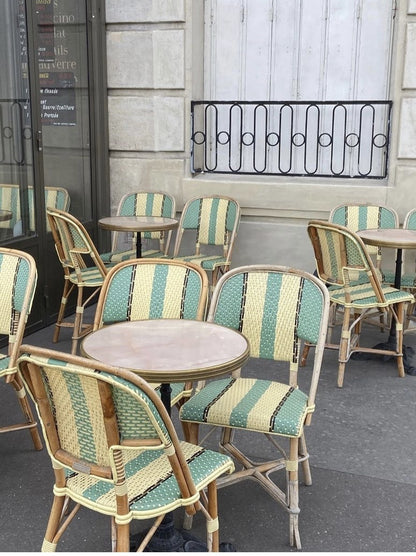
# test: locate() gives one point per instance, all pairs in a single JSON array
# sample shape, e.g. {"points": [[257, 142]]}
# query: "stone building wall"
{"points": [[155, 68]]}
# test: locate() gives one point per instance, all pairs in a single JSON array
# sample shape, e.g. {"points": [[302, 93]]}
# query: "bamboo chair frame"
{"points": [[340, 256], [129, 424], [75, 250], [274, 325], [215, 221], [20, 274]]}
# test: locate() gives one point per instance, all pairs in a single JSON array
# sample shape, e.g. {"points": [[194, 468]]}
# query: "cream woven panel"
{"points": [[7, 275]]}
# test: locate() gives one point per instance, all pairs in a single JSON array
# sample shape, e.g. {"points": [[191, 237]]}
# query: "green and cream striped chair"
{"points": [[340, 256], [55, 197], [144, 289], [114, 449], [213, 221], [143, 203], [275, 308], [83, 270], [18, 278]]}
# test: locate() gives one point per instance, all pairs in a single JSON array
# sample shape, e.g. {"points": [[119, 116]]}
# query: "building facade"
{"points": [[156, 65]]}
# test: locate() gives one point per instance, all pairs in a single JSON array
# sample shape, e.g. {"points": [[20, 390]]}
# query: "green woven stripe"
{"points": [[310, 312], [387, 219], [117, 299], [231, 215], [228, 310], [210, 262], [332, 250], [271, 302], [128, 206], [191, 217], [191, 295], [411, 221], [290, 417], [22, 277], [4, 362], [158, 293]]}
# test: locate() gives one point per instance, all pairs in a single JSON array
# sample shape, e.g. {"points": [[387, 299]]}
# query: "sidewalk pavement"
{"points": [[361, 442]]}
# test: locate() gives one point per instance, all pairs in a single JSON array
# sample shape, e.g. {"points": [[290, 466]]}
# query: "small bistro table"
{"points": [[165, 351], [138, 224], [399, 239]]}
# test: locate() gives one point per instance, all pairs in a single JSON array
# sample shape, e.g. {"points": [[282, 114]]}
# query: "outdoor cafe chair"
{"points": [[82, 266], [114, 449], [18, 278], [210, 223], [144, 289], [361, 216], [143, 203], [275, 308], [344, 264]]}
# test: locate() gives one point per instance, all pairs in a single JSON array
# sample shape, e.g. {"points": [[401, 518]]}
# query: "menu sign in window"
{"points": [[57, 98]]}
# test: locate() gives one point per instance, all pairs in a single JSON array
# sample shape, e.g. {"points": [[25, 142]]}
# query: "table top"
{"points": [[137, 223], [169, 350], [5, 215], [397, 238]]}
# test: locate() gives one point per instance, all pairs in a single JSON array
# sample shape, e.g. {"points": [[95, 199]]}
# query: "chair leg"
{"points": [[303, 454], [213, 539], [293, 497], [344, 346], [50, 541], [399, 337], [30, 424], [123, 537], [68, 287]]}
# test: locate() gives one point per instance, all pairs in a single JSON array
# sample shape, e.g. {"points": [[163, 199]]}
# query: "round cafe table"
{"points": [[165, 351], [138, 224], [399, 239]]}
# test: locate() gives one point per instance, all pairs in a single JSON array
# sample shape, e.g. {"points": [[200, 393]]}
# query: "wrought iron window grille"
{"points": [[337, 139]]}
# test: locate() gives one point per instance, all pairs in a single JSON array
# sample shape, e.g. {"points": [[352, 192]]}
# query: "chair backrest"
{"points": [[342, 258], [215, 221], [73, 244], [55, 197], [18, 279], [96, 419], [152, 289], [410, 220], [358, 217], [148, 203], [275, 308]]}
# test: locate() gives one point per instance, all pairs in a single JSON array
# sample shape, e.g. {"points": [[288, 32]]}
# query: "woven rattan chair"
{"points": [[143, 203], [114, 449], [18, 277], [341, 256], [357, 217], [275, 308], [153, 289], [214, 222], [83, 269]]}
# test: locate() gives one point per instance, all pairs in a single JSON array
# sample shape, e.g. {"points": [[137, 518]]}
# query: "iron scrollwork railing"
{"points": [[15, 131], [293, 138]]}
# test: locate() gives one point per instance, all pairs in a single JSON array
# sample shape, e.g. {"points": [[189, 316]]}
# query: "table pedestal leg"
{"points": [[139, 245]]}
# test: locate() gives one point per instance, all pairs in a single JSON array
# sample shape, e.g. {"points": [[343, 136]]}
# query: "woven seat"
{"points": [[275, 308], [214, 221], [18, 278], [114, 449], [340, 256], [143, 203], [153, 289], [83, 269]]}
